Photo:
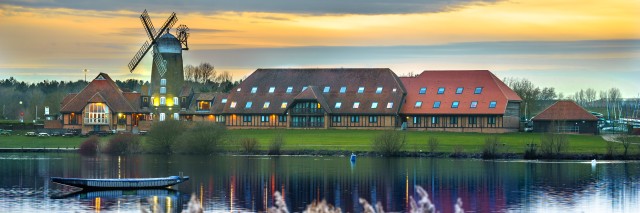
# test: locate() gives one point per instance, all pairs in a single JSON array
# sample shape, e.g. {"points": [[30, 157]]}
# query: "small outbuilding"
{"points": [[565, 117]]}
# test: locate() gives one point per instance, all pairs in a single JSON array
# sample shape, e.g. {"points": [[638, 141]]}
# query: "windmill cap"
{"points": [[168, 43]]}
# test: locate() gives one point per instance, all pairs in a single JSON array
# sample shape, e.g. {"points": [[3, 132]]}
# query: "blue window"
{"points": [[492, 104], [360, 89], [326, 89], [289, 89], [248, 105], [254, 89], [336, 119], [435, 120], [441, 90], [355, 119], [246, 118], [416, 120], [455, 104], [436, 104], [264, 118], [343, 89], [474, 104], [423, 90], [373, 119], [379, 90], [418, 104], [459, 90], [478, 90]]}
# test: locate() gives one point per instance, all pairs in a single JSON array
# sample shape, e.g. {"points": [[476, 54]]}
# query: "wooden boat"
{"points": [[127, 183]]}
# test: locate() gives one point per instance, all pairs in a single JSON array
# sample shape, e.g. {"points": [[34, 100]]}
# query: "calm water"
{"points": [[246, 183]]}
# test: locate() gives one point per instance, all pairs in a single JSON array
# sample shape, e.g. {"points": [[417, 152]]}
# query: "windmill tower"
{"points": [[167, 77]]}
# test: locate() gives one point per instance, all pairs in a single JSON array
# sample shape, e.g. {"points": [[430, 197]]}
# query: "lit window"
{"points": [[239, 89], [220, 118], [163, 116], [455, 104], [459, 90], [326, 89], [289, 89], [163, 82], [254, 89], [248, 105], [96, 113], [394, 89], [374, 105], [436, 104], [153, 101], [416, 120], [379, 90], [389, 105], [356, 105], [478, 90], [338, 105], [423, 90], [360, 89], [163, 101], [163, 90], [373, 119], [474, 104], [283, 105], [304, 88], [176, 116], [203, 105], [176, 101], [492, 104], [264, 118], [233, 104], [343, 89], [266, 105], [224, 100], [441, 90], [418, 104], [272, 89]]}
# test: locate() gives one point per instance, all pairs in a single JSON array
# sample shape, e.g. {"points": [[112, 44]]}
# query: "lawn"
{"points": [[348, 140]]}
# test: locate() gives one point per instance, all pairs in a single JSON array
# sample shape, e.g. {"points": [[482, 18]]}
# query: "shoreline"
{"points": [[503, 156]]}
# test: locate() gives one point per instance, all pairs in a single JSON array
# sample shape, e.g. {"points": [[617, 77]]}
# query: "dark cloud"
{"points": [[279, 6]]}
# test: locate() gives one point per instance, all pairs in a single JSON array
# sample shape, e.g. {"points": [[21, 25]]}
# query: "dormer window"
{"points": [[163, 82], [338, 105], [436, 104], [289, 90], [203, 105], [304, 88], [254, 90], [478, 90], [418, 104], [233, 105], [239, 89], [343, 89], [356, 105], [492, 104], [248, 105], [266, 105], [423, 90], [326, 89], [455, 104], [283, 105], [459, 90], [389, 105], [374, 105], [272, 89], [360, 89], [379, 90], [224, 101], [441, 90], [474, 104]]}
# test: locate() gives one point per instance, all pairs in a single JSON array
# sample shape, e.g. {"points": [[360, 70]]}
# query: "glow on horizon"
{"points": [[53, 43]]}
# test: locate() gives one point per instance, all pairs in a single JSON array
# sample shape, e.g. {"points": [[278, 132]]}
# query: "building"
{"points": [[460, 101], [167, 79], [315, 98], [103, 106], [565, 116]]}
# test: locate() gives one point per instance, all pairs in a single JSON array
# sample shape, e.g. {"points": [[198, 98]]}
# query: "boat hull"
{"points": [[130, 183]]}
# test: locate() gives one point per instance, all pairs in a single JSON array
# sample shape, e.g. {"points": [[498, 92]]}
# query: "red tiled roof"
{"points": [[565, 110], [102, 88], [492, 90], [335, 78]]}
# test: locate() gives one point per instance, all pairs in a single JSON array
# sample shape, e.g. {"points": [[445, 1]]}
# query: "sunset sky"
{"points": [[566, 44]]}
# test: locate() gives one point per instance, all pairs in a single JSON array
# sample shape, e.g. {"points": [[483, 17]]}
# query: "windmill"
{"points": [[167, 77]]}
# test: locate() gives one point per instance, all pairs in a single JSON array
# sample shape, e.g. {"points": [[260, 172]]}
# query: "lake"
{"points": [[247, 183]]}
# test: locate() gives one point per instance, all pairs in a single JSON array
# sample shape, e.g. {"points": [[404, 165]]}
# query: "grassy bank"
{"points": [[348, 140]]}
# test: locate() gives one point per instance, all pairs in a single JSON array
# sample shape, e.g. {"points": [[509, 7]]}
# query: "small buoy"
{"points": [[353, 157]]}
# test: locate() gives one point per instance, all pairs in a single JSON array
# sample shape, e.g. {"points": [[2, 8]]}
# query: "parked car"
{"points": [[5, 132], [30, 134], [614, 129], [43, 134], [56, 134]]}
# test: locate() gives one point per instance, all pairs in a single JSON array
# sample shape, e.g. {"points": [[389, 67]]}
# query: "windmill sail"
{"points": [[161, 64]]}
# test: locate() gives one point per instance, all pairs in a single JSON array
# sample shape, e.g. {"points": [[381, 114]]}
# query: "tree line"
{"points": [[205, 78], [536, 99]]}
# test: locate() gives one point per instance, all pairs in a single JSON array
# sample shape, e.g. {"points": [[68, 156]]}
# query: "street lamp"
{"points": [[21, 113], [85, 74]]}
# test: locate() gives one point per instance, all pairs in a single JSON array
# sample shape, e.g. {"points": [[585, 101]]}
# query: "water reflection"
{"points": [[247, 183]]}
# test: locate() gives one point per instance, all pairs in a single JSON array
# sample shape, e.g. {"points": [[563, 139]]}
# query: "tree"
{"points": [[590, 95], [206, 72], [189, 73], [529, 93]]}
